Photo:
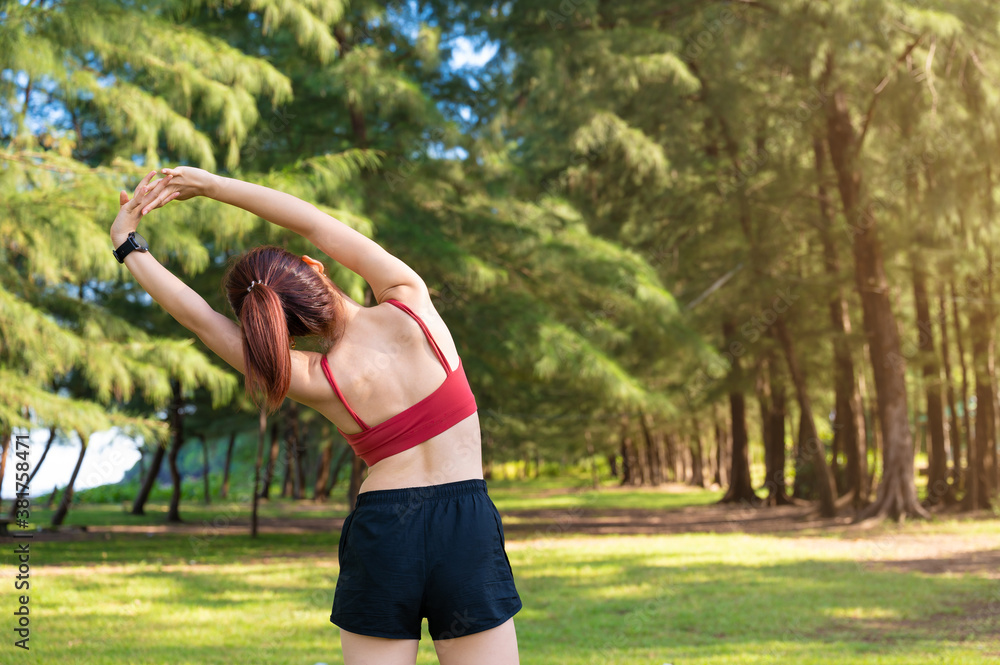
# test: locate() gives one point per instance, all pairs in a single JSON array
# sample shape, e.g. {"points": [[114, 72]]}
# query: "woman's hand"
{"points": [[147, 196], [187, 182]]}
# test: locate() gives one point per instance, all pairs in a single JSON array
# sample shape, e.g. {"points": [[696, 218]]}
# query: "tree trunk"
{"points": [[302, 463], [661, 454], [631, 474], [67, 497], [979, 479], [762, 389], [323, 472], [993, 464], [697, 455], [740, 485], [652, 460], [489, 455], [261, 433], [38, 464], [776, 483], [358, 126], [45, 452], [721, 451], [848, 424], [871, 425], [804, 487], [954, 433], [5, 435], [224, 492], [142, 462], [897, 493], [684, 472], [205, 469], [335, 474], [292, 486], [628, 459], [966, 423], [138, 506], [289, 464], [265, 489], [771, 396], [937, 473], [357, 468], [809, 441], [670, 455], [177, 429], [642, 454]]}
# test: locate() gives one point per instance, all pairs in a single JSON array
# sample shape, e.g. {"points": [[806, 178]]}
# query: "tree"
{"points": [[67, 498]]}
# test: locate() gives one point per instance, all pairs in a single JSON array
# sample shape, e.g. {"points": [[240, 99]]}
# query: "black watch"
{"points": [[134, 241]]}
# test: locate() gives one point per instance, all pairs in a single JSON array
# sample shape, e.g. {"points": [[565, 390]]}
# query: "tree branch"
{"points": [[879, 88]]}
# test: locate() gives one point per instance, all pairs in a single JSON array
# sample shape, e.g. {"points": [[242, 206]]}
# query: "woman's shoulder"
{"points": [[416, 299], [420, 303]]}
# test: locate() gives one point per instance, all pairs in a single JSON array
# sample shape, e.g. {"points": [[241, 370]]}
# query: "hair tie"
{"points": [[252, 282]]}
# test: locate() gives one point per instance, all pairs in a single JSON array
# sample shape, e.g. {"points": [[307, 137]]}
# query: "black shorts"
{"points": [[435, 552]]}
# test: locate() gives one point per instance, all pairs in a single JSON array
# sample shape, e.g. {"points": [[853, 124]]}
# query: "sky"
{"points": [[108, 458], [109, 455]]}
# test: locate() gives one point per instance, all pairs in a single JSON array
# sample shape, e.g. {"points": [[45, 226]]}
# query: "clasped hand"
{"points": [[181, 183]]}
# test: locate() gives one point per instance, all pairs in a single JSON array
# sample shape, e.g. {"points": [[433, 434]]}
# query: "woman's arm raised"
{"points": [[387, 275], [218, 332]]}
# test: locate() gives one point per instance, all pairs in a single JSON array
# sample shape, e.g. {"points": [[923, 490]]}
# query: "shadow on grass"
{"points": [[807, 611], [690, 599]]}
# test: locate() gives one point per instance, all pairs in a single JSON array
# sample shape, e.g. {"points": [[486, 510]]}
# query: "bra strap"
{"points": [[427, 333], [329, 377]]}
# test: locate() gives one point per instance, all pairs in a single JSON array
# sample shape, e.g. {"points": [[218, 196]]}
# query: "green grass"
{"points": [[510, 495], [636, 600]]}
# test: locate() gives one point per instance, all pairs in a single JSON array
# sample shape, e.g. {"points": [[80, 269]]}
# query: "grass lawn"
{"points": [[637, 600]]}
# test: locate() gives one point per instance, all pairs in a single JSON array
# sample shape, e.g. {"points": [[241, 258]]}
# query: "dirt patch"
{"points": [[984, 563], [696, 519], [965, 622], [518, 524]]}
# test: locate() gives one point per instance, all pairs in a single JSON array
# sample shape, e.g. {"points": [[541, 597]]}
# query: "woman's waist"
{"points": [[451, 456]]}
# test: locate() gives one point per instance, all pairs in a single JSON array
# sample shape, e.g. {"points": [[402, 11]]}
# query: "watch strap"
{"points": [[127, 247]]}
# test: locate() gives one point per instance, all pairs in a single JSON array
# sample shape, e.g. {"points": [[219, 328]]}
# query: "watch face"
{"points": [[143, 245]]}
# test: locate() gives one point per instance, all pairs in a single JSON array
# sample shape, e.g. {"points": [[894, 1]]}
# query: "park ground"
{"points": [[630, 576]]}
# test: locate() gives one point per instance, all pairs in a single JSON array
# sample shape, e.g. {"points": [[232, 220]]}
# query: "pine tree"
{"points": [[81, 107]]}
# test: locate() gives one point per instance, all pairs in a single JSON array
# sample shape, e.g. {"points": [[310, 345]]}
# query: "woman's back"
{"points": [[387, 369], [423, 540]]}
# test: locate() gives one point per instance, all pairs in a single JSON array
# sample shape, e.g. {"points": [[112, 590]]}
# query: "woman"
{"points": [[424, 538]]}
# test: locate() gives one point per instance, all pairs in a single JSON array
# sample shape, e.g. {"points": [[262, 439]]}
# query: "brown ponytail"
{"points": [[276, 295], [265, 346]]}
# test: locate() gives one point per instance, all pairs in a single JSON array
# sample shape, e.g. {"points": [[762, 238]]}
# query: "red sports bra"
{"points": [[449, 404]]}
